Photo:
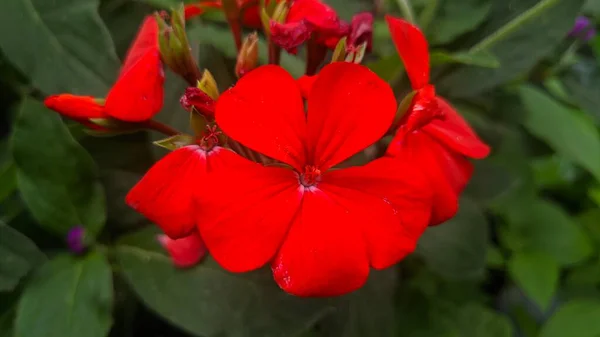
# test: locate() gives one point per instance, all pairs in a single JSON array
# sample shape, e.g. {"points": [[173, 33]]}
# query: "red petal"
{"points": [[193, 10], [244, 213], [324, 253], [145, 40], [165, 193], [305, 82], [185, 252], [349, 108], [361, 30], [412, 47], [317, 13], [265, 112], [75, 107], [290, 35], [389, 200], [454, 132], [446, 171]]}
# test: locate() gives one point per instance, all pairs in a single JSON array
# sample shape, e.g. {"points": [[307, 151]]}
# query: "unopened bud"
{"points": [[185, 252], [290, 35], [361, 31], [174, 46], [195, 98], [208, 85], [247, 57], [77, 240]]}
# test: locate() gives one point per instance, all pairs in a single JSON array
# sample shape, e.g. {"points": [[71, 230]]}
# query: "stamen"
{"points": [[311, 176]]}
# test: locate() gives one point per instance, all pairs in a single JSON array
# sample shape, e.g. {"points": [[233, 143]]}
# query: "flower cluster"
{"points": [[270, 175]]}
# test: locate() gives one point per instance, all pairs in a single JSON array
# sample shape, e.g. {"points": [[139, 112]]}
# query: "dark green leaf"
{"points": [[457, 248], [519, 33], [471, 320], [456, 18], [8, 177], [583, 83], [541, 226], [18, 256], [576, 318], [69, 297], [348, 8], [563, 129], [537, 275], [388, 68], [208, 301], [482, 59], [72, 49], [57, 178]]}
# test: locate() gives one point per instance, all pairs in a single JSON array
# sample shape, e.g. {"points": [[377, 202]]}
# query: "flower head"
{"points": [[432, 134], [321, 228]]}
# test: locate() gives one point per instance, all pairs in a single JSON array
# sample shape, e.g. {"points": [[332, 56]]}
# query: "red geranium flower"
{"points": [[320, 227], [432, 132], [136, 96], [249, 8]]}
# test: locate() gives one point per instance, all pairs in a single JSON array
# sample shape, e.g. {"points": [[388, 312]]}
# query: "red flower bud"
{"points": [[248, 57], [185, 252], [199, 100], [290, 35], [76, 107], [361, 30]]}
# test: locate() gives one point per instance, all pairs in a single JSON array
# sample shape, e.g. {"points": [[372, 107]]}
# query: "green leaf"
{"points": [[481, 59], [576, 318], [72, 49], [208, 301], [457, 248], [537, 275], [69, 297], [583, 83], [57, 178], [456, 18], [519, 33], [221, 39], [562, 128], [18, 256], [538, 225], [8, 177], [470, 320]]}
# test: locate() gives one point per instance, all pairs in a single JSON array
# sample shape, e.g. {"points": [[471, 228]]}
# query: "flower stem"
{"points": [[407, 10], [160, 127], [274, 53]]}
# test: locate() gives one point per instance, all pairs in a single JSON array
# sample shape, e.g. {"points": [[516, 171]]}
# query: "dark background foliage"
{"points": [[521, 258]]}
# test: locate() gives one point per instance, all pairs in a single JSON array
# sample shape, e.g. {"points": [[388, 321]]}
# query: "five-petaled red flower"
{"points": [[322, 228], [433, 135]]}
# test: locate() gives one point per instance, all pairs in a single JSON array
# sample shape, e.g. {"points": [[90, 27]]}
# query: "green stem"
{"points": [[407, 10]]}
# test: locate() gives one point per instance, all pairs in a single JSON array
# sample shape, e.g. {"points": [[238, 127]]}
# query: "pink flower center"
{"points": [[311, 176]]}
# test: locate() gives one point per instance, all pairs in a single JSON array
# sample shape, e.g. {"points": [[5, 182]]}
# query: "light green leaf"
{"points": [[68, 47], [57, 178], [576, 318], [457, 248], [562, 128], [518, 33], [537, 275], [483, 59], [69, 297], [18, 256], [208, 301], [456, 18]]}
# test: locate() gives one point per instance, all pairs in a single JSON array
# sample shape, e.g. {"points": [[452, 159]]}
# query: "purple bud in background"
{"points": [[583, 29], [75, 239]]}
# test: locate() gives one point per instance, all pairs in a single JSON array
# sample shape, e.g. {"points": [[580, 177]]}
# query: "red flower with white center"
{"points": [[165, 194], [185, 252], [136, 96], [320, 227], [432, 133]]}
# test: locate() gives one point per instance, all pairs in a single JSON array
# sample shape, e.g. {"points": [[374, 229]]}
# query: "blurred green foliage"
{"points": [[521, 258]]}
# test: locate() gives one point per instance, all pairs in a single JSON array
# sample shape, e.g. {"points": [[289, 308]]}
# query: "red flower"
{"points": [[432, 132], [185, 252], [198, 99], [138, 93], [79, 108], [320, 227], [164, 195], [249, 8]]}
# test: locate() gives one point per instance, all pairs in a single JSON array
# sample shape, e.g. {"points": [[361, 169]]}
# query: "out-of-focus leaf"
{"points": [[123, 19], [456, 18], [8, 308], [72, 49], [208, 301], [562, 128], [8, 179], [519, 33], [69, 297], [482, 59], [57, 178], [221, 39], [348, 8], [471, 320], [583, 83], [494, 257], [457, 248], [18, 256], [542, 226], [592, 6], [388, 68], [553, 171], [367, 312], [576, 318], [536, 274]]}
